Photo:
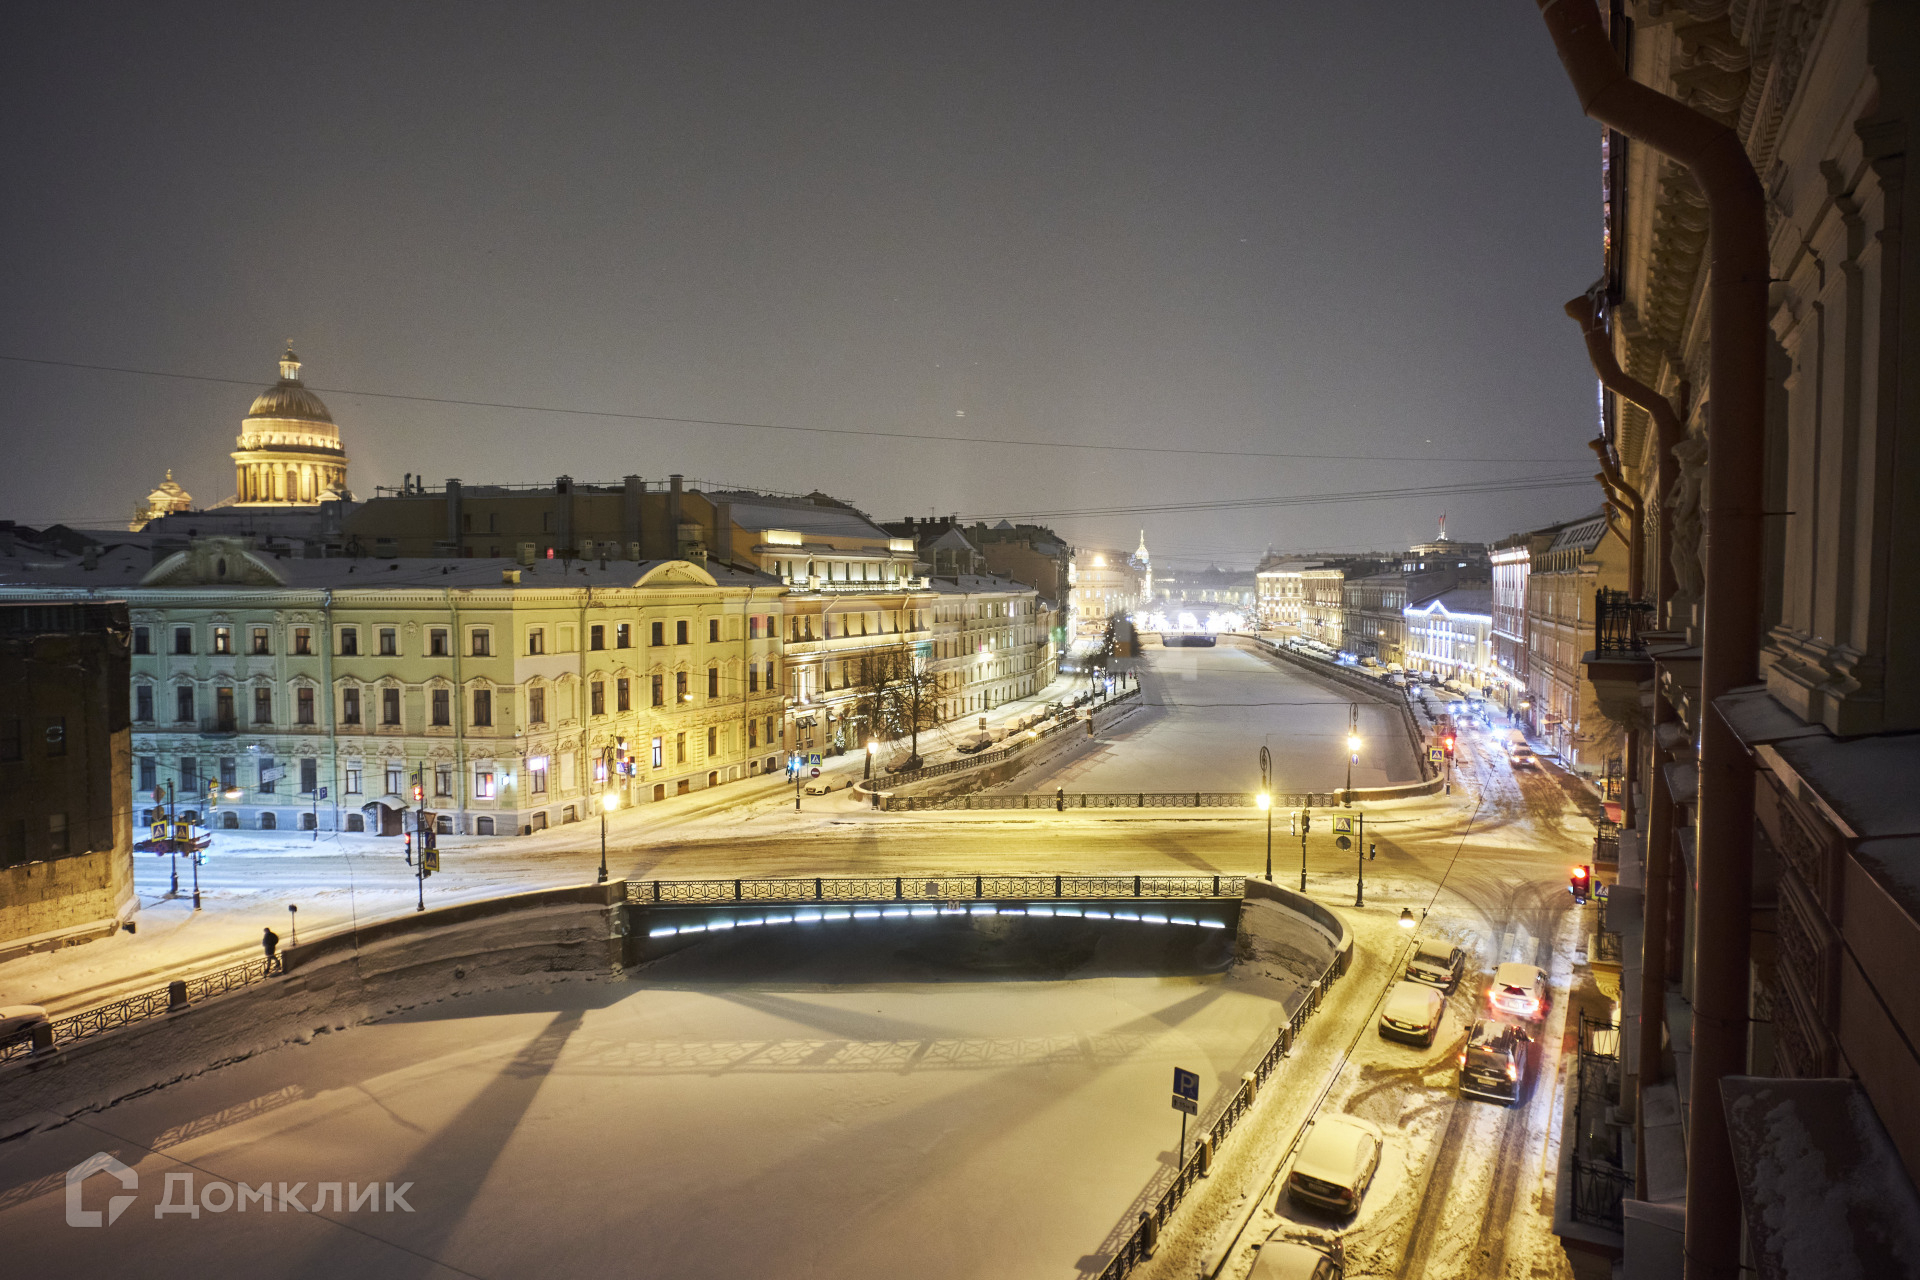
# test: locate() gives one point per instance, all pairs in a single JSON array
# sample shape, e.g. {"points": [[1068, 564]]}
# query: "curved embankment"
{"points": [[332, 982]]}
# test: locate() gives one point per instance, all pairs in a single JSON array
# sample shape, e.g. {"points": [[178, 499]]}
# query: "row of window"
{"points": [[259, 641]]}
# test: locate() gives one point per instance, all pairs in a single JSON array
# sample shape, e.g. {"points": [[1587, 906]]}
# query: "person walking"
{"points": [[271, 942]]}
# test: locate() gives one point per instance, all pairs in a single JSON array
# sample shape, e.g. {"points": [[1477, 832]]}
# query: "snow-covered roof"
{"points": [[756, 515]]}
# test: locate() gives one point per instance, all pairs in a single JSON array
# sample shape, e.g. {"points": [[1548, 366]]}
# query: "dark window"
{"points": [[483, 707], [437, 643], [183, 639], [659, 690], [223, 639], [183, 703], [303, 706], [222, 707], [309, 776], [713, 682], [536, 640], [143, 702], [753, 733], [261, 643], [229, 773], [596, 636], [148, 775], [597, 693], [680, 693], [442, 707], [350, 706], [713, 742], [713, 631], [269, 775], [659, 633], [753, 627], [623, 636], [303, 640], [622, 694], [263, 706], [389, 706], [680, 634], [349, 642], [189, 776], [482, 642], [389, 642], [56, 835], [142, 640], [536, 705]]}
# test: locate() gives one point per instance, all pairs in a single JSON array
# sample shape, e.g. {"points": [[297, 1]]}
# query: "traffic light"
{"points": [[419, 793], [1580, 882], [1306, 822], [1447, 742]]}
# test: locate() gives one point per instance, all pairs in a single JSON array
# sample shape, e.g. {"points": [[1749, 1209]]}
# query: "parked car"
{"points": [[814, 787], [17, 1022], [979, 742], [1336, 1164], [1520, 756], [1519, 991], [1437, 963], [1294, 1260], [1413, 1012], [1494, 1063]]}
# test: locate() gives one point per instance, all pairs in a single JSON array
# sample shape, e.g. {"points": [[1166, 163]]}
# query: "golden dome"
{"points": [[289, 397]]}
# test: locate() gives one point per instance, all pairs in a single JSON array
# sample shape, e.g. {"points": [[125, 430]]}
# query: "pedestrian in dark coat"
{"points": [[271, 941]]}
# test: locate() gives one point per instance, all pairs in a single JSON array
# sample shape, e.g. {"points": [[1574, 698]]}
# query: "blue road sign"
{"points": [[1186, 1085], [321, 794]]}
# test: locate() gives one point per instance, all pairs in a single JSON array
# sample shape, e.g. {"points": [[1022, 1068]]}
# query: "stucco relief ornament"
{"points": [[1684, 503]]}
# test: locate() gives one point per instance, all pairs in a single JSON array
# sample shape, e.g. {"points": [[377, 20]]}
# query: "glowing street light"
{"points": [[1406, 918], [609, 801], [1265, 800]]}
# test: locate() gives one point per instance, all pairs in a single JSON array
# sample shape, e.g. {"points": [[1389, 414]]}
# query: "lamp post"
{"points": [[608, 803], [873, 749], [1353, 747], [1265, 801], [173, 845]]}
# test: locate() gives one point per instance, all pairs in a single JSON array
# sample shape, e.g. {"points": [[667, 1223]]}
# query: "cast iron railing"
{"points": [[938, 887], [1598, 1184], [1139, 1245], [1061, 801], [147, 1004], [1618, 621]]}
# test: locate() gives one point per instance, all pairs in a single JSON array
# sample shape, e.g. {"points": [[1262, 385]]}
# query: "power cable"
{"points": [[1515, 485], [776, 426]]}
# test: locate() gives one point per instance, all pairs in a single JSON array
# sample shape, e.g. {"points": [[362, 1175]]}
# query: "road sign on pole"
{"points": [[1186, 1091]]}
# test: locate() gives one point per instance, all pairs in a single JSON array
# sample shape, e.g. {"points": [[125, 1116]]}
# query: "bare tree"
{"points": [[897, 696]]}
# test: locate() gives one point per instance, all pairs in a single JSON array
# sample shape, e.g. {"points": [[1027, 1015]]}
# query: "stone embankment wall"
{"points": [[331, 984]]}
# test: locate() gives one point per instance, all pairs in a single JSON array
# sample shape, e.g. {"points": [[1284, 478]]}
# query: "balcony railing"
{"points": [[1618, 622]]}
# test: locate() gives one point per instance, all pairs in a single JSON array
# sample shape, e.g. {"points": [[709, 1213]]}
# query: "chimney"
{"points": [[673, 504], [721, 547], [527, 553], [454, 516], [510, 577], [632, 489]]}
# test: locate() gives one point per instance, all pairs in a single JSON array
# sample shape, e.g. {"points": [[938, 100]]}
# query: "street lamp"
{"points": [[873, 749], [608, 803], [1265, 802], [1406, 918], [1353, 747]]}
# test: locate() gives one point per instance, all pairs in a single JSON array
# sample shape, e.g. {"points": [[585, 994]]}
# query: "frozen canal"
{"points": [[1208, 712], [697, 1119]]}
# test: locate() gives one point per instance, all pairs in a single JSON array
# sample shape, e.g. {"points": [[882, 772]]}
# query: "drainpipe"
{"points": [[1622, 500], [1668, 431], [1735, 497]]}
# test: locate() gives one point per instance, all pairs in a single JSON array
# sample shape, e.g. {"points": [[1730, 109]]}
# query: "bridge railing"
{"points": [[927, 888], [1139, 1245], [1062, 801], [139, 1007]]}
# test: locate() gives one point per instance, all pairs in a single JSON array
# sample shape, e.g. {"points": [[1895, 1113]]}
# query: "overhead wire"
{"points": [[932, 437]]}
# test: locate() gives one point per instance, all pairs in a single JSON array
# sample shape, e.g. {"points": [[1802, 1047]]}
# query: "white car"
{"points": [[17, 1022], [1291, 1260], [1413, 1012], [819, 786], [1437, 963], [1336, 1164], [1518, 991]]}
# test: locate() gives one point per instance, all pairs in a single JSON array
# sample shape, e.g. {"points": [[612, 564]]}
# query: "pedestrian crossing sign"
{"points": [[1435, 754], [1344, 825]]}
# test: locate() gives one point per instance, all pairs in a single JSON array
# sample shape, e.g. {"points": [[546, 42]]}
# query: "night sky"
{"points": [[1276, 228]]}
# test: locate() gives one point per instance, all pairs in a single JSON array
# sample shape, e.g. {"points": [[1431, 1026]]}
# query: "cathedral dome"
{"points": [[289, 399]]}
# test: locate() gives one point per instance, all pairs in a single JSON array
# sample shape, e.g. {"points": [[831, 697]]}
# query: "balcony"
{"points": [[1619, 663]]}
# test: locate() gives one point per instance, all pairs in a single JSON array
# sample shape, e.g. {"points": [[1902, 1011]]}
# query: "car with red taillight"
{"points": [[1494, 1064], [1518, 991]]}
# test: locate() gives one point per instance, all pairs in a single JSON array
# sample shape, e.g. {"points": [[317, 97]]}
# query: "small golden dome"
{"points": [[289, 397]]}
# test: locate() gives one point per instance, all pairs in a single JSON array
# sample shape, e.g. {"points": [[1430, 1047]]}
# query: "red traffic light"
{"points": [[418, 791], [1580, 873]]}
